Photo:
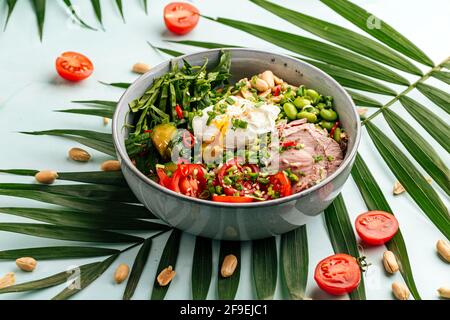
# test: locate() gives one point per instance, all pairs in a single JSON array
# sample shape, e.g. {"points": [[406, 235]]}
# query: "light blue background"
{"points": [[30, 90]]}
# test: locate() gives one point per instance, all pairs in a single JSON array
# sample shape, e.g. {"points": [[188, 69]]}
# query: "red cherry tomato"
{"points": [[338, 274], [277, 91], [179, 112], [376, 227], [281, 184], [232, 199], [180, 17], [164, 179], [188, 179], [74, 66], [228, 190]]}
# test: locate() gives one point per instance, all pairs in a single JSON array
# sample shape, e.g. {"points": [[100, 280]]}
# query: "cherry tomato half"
{"points": [[282, 184], [164, 179], [188, 179], [376, 227], [338, 274], [180, 17], [232, 199], [74, 66]]}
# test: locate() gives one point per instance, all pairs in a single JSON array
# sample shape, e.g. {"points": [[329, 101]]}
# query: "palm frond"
{"points": [[39, 9], [363, 101], [265, 267], [11, 5], [98, 11], [137, 269], [201, 268], [104, 113], [444, 76], [57, 253], [122, 85], [439, 97], [120, 7], [75, 15], [227, 287], [98, 103]]}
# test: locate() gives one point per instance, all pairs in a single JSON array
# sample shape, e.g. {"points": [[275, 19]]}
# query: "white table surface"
{"points": [[30, 90]]}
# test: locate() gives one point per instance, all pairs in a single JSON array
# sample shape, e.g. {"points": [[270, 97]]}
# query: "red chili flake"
{"points": [[148, 131], [334, 128], [287, 144], [179, 112]]}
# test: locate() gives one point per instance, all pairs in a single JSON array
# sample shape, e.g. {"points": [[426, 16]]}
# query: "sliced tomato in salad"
{"points": [[376, 227], [188, 179], [232, 199], [74, 66], [338, 274], [181, 17], [281, 184], [164, 179]]}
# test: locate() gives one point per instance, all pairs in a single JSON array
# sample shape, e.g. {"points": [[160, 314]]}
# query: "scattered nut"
{"points": [[362, 111], [444, 292], [8, 280], [121, 273], [105, 121], [228, 266], [27, 264], [277, 80], [276, 99], [141, 68], [259, 84], [401, 292], [111, 165], [390, 262], [443, 248], [80, 155], [399, 189], [268, 77], [46, 176], [166, 276], [265, 93], [245, 93]]}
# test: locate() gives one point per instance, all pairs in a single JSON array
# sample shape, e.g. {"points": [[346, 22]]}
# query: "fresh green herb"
{"points": [[230, 100], [237, 123], [330, 158], [318, 158]]}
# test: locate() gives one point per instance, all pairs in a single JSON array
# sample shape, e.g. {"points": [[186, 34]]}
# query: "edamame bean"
{"points": [[326, 125], [328, 114], [290, 110], [337, 134], [301, 91], [301, 102], [310, 117], [320, 106], [290, 94], [311, 109], [313, 94]]}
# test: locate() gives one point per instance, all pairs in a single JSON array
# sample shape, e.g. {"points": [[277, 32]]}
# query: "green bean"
{"points": [[326, 124], [328, 114], [290, 110], [337, 134], [301, 102], [310, 117]]}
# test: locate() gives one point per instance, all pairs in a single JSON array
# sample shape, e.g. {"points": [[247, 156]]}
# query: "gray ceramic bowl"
{"points": [[251, 220]]}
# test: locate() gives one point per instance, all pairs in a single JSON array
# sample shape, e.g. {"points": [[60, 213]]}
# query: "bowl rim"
{"points": [[125, 159]]}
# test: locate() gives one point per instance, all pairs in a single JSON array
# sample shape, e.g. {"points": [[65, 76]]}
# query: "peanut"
{"points": [[46, 176], [79, 155], [362, 111], [228, 266], [121, 273], [398, 188], [27, 264], [277, 80], [443, 248], [268, 77], [259, 84], [390, 262], [111, 165], [444, 292], [141, 68], [166, 276], [400, 291], [265, 93], [8, 280], [105, 121]]}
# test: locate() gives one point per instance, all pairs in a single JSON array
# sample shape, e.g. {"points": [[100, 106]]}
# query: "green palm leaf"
{"points": [[120, 7], [114, 178], [50, 281], [412, 180], [202, 44], [98, 11], [342, 37], [420, 149], [88, 205], [75, 15], [68, 233], [104, 113], [265, 267], [227, 287], [98, 103], [137, 269], [439, 97], [168, 258], [79, 219], [201, 268], [86, 277], [94, 135], [442, 75], [363, 101], [122, 85], [437, 128], [343, 238], [11, 5], [53, 253], [145, 4], [375, 200], [294, 261], [169, 52], [385, 33], [39, 9], [317, 50]]}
